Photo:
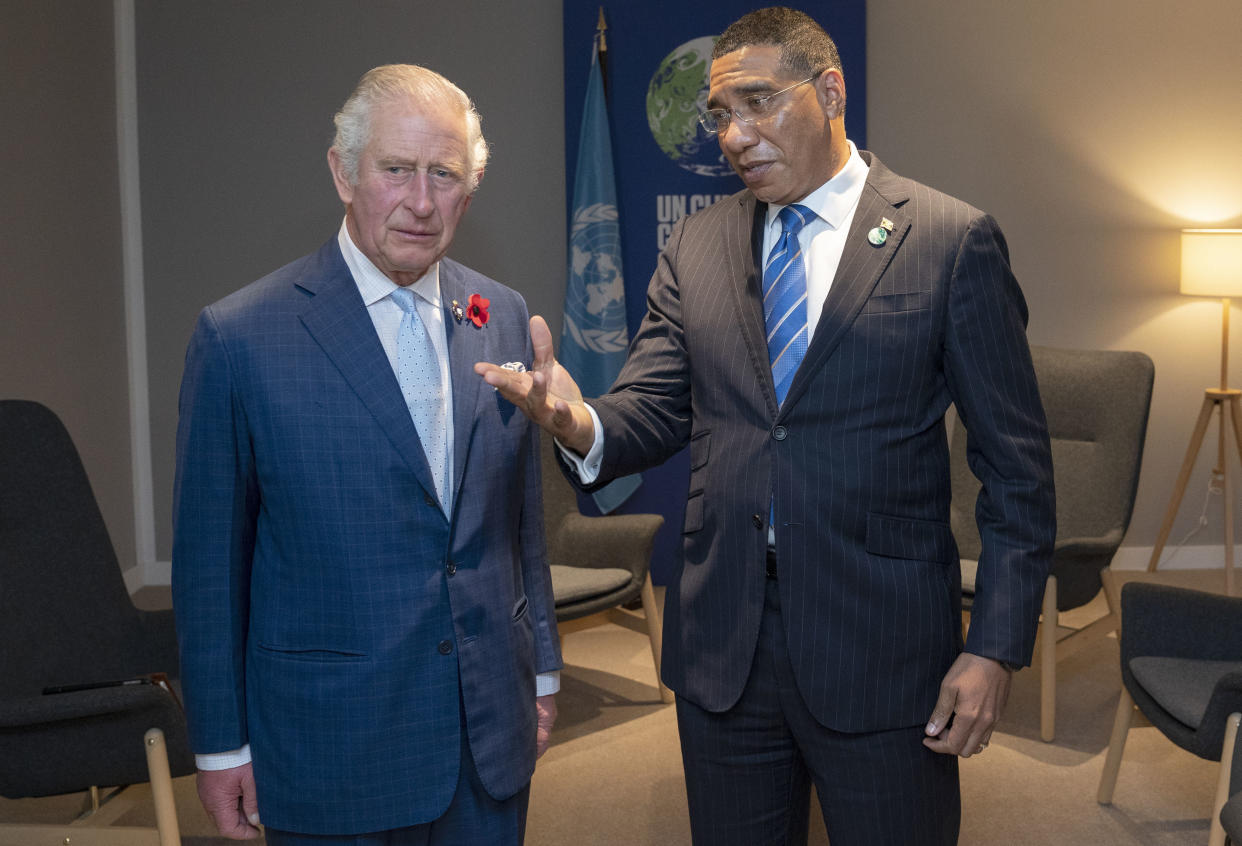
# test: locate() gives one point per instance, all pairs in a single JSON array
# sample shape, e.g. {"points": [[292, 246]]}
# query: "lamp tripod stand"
{"points": [[1228, 401]]}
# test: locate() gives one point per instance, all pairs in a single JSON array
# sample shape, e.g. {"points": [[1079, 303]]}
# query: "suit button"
{"points": [[451, 567], [757, 520], [780, 433], [445, 647]]}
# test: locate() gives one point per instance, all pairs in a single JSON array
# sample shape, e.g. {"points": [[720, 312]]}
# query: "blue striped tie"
{"points": [[784, 300]]}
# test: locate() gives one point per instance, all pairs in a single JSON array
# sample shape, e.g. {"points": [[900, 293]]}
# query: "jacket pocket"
{"points": [[912, 539], [316, 654], [893, 303]]}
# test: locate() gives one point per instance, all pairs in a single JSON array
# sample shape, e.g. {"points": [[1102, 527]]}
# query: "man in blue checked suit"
{"points": [[366, 620], [805, 338]]}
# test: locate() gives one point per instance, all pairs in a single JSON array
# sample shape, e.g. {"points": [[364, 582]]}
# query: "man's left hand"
{"points": [[545, 714], [973, 695]]}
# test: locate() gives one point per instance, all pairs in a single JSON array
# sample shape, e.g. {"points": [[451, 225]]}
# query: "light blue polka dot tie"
{"points": [[418, 373], [784, 300]]}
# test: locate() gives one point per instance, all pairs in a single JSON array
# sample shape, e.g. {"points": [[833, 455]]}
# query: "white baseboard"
{"points": [[1183, 558], [151, 574]]}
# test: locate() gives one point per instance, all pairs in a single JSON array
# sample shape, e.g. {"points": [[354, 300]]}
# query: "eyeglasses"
{"points": [[752, 109]]}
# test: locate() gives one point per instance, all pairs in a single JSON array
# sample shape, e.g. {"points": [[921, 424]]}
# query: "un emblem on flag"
{"points": [[595, 297]]}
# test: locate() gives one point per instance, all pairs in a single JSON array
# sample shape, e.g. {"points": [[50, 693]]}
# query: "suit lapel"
{"points": [[338, 321], [466, 345], [743, 240], [862, 264]]}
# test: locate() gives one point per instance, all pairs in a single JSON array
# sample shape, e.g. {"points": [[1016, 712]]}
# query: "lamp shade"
{"points": [[1212, 262]]}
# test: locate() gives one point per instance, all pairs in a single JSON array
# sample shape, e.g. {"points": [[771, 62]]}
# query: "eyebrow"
{"points": [[745, 89]]}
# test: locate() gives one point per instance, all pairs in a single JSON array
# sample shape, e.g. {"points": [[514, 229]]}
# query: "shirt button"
{"points": [[445, 647], [451, 567], [757, 520], [780, 433]]}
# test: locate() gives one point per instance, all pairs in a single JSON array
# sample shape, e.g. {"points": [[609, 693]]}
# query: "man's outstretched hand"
{"points": [[546, 393]]}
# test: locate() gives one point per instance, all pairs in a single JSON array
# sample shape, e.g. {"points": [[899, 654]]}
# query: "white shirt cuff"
{"points": [[223, 760], [587, 467], [547, 683]]}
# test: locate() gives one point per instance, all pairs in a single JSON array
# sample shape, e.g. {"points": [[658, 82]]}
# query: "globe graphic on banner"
{"points": [[675, 97]]}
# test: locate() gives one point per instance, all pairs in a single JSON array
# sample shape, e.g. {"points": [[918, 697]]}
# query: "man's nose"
{"points": [[419, 197], [737, 136]]}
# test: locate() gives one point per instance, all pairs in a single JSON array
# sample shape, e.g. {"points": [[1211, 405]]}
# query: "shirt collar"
{"points": [[835, 199], [373, 285]]}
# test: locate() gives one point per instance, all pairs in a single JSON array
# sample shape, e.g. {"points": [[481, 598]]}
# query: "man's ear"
{"points": [[344, 189], [830, 88]]}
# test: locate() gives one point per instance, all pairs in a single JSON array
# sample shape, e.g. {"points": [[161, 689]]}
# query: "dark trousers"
{"points": [[749, 769], [473, 818]]}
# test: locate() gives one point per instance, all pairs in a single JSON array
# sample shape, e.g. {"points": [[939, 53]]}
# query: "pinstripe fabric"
{"points": [[855, 460], [319, 617], [749, 770]]}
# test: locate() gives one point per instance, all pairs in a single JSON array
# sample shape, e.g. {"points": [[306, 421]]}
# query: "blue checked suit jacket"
{"points": [[856, 461], [330, 613]]}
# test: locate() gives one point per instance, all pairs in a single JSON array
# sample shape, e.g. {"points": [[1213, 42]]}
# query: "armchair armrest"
{"points": [[66, 742], [24, 711]]}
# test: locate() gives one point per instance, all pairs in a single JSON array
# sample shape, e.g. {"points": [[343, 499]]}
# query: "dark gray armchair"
{"points": [[1097, 403], [1181, 665], [66, 619], [599, 564]]}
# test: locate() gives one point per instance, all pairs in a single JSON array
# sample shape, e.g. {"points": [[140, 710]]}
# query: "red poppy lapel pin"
{"points": [[476, 310]]}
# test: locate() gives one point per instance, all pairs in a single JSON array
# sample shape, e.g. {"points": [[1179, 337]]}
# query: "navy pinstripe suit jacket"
{"points": [[856, 461], [318, 583]]}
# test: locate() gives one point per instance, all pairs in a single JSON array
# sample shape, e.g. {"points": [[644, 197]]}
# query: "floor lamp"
{"points": [[1211, 266]]}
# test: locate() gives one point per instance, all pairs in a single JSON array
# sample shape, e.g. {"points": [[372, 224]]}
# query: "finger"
{"points": [[537, 395], [942, 712], [541, 340], [250, 799]]}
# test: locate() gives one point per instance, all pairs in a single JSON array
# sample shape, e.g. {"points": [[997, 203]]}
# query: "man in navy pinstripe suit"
{"points": [[368, 640], [813, 634]]}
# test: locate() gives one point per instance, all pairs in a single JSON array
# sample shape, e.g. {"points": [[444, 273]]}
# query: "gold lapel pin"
{"points": [[458, 314]]}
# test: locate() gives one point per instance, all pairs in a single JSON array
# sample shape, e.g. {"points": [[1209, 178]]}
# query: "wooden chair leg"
{"points": [[1048, 664], [1116, 746], [655, 632], [162, 789], [1216, 836]]}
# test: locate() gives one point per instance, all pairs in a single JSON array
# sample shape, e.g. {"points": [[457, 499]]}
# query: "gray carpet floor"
{"points": [[613, 775]]}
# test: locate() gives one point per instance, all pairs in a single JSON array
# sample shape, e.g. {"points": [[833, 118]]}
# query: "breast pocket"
{"points": [[897, 303]]}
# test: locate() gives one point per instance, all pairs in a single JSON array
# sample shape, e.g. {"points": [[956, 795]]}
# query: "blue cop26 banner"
{"points": [[655, 81]]}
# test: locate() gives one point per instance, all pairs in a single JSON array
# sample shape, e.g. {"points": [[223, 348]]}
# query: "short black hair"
{"points": [[806, 48]]}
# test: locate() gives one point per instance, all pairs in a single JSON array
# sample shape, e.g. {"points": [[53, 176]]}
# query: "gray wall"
{"points": [[236, 102], [1093, 131], [62, 320]]}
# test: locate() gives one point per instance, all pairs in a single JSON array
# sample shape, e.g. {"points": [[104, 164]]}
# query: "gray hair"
{"points": [[389, 82]]}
